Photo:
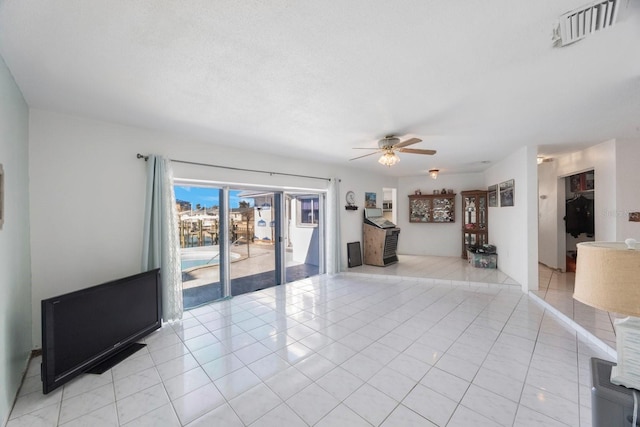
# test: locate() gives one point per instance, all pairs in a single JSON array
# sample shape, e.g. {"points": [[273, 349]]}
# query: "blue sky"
{"points": [[205, 196]]}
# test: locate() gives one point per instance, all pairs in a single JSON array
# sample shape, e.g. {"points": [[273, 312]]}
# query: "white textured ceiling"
{"points": [[313, 79]]}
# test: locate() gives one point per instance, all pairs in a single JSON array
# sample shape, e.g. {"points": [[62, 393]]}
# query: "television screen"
{"points": [[81, 329]]}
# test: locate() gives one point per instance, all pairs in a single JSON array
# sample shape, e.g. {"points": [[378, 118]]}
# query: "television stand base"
{"points": [[116, 358]]}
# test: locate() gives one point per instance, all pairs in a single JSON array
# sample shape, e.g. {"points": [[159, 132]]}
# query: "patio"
{"points": [[252, 271]]}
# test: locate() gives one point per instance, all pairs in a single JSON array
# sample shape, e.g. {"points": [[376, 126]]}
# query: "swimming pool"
{"points": [[200, 257]]}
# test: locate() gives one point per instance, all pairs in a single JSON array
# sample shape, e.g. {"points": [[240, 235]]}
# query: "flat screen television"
{"points": [[92, 329]]}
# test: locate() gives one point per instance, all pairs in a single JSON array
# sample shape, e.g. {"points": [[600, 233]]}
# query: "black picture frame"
{"points": [[354, 254], [507, 193]]}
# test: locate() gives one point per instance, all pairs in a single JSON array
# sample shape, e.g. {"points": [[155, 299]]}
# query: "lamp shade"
{"points": [[608, 277]]}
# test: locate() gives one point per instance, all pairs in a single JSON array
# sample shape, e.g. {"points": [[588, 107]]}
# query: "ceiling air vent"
{"points": [[579, 23]]}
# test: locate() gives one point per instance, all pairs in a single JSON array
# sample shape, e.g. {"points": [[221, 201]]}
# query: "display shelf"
{"points": [[432, 208], [475, 219]]}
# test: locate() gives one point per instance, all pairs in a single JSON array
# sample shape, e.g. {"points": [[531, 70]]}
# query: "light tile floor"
{"points": [[556, 288], [350, 350]]}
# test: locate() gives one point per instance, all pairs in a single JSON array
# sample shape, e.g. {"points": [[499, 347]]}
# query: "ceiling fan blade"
{"points": [[409, 141], [417, 151], [359, 157], [364, 148]]}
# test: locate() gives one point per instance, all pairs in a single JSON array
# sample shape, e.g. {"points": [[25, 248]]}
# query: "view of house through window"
{"points": [[303, 244], [253, 246], [308, 210]]}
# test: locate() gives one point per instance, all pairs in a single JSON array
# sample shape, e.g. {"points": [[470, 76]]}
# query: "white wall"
{"points": [[15, 278], [433, 239], [627, 185], [304, 239], [305, 245], [548, 214], [514, 230], [87, 190], [352, 220], [602, 159]]}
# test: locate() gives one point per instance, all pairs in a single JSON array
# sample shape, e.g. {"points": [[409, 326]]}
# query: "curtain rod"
{"points": [[140, 156]]}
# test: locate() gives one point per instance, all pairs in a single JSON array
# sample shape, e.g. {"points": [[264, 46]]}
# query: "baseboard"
{"points": [[24, 375], [573, 324]]}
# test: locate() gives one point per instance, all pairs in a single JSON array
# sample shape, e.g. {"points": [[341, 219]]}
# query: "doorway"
{"points": [[236, 240], [304, 224], [389, 204], [199, 229], [579, 214], [253, 219]]}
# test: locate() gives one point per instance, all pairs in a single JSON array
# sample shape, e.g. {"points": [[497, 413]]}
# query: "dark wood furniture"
{"points": [[432, 208], [475, 219]]}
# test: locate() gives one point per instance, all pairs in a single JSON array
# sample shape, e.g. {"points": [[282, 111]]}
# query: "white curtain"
{"points": [[161, 244], [334, 243]]}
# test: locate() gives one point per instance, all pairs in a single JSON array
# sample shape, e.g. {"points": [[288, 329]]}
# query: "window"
{"points": [[308, 211]]}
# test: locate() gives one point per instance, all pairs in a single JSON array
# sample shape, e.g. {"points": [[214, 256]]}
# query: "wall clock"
{"points": [[351, 201], [351, 197]]}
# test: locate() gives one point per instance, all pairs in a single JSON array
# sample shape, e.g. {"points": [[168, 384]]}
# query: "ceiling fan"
{"points": [[388, 147]]}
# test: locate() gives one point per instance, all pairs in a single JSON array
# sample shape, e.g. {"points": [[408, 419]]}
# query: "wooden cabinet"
{"points": [[432, 208], [380, 245], [475, 219]]}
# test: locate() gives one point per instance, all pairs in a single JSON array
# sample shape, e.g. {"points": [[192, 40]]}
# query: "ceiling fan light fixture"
{"points": [[433, 173], [389, 159]]}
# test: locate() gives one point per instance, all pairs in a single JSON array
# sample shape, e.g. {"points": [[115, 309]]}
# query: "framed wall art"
{"points": [[507, 193], [492, 194], [369, 200]]}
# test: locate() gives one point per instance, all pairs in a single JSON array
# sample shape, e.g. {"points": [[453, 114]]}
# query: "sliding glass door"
{"points": [[304, 222], [199, 229], [254, 243], [235, 241]]}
